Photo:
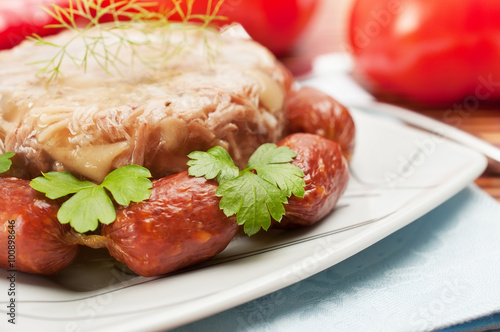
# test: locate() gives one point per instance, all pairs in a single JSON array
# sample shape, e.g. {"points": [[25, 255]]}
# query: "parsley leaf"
{"points": [[85, 209], [128, 184], [273, 164], [216, 162], [270, 154], [59, 184], [91, 203], [253, 200], [5, 161], [257, 193]]}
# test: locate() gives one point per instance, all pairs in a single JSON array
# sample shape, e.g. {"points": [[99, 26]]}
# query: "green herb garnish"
{"points": [[105, 41], [215, 163], [91, 203], [5, 161], [257, 193]]}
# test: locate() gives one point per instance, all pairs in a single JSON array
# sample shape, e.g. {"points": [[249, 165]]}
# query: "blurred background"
{"points": [[437, 58]]}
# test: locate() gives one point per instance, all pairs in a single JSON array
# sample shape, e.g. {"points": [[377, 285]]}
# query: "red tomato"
{"points": [[429, 51], [22, 18], [276, 24]]}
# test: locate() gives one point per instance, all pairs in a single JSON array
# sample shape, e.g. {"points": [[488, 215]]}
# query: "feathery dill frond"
{"points": [[104, 43]]}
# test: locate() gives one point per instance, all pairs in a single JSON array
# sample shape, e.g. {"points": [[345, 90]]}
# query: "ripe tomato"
{"points": [[428, 51], [276, 24], [22, 18]]}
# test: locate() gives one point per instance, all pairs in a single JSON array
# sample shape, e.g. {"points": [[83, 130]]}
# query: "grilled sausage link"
{"points": [[31, 238], [309, 110], [326, 176], [178, 226]]}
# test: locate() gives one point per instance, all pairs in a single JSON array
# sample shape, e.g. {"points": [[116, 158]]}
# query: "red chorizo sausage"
{"points": [[309, 110], [326, 176], [31, 238], [178, 226]]}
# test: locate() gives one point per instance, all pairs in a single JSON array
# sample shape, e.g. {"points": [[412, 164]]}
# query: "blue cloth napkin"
{"points": [[440, 272]]}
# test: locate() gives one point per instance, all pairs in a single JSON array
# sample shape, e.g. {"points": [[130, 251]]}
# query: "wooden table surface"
{"points": [[325, 34]]}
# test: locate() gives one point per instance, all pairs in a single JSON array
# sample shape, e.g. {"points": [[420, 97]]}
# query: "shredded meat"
{"points": [[91, 123]]}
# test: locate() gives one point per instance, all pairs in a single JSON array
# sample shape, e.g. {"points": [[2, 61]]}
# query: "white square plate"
{"points": [[398, 174]]}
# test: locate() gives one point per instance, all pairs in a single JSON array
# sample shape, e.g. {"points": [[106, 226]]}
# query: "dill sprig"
{"points": [[105, 42]]}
